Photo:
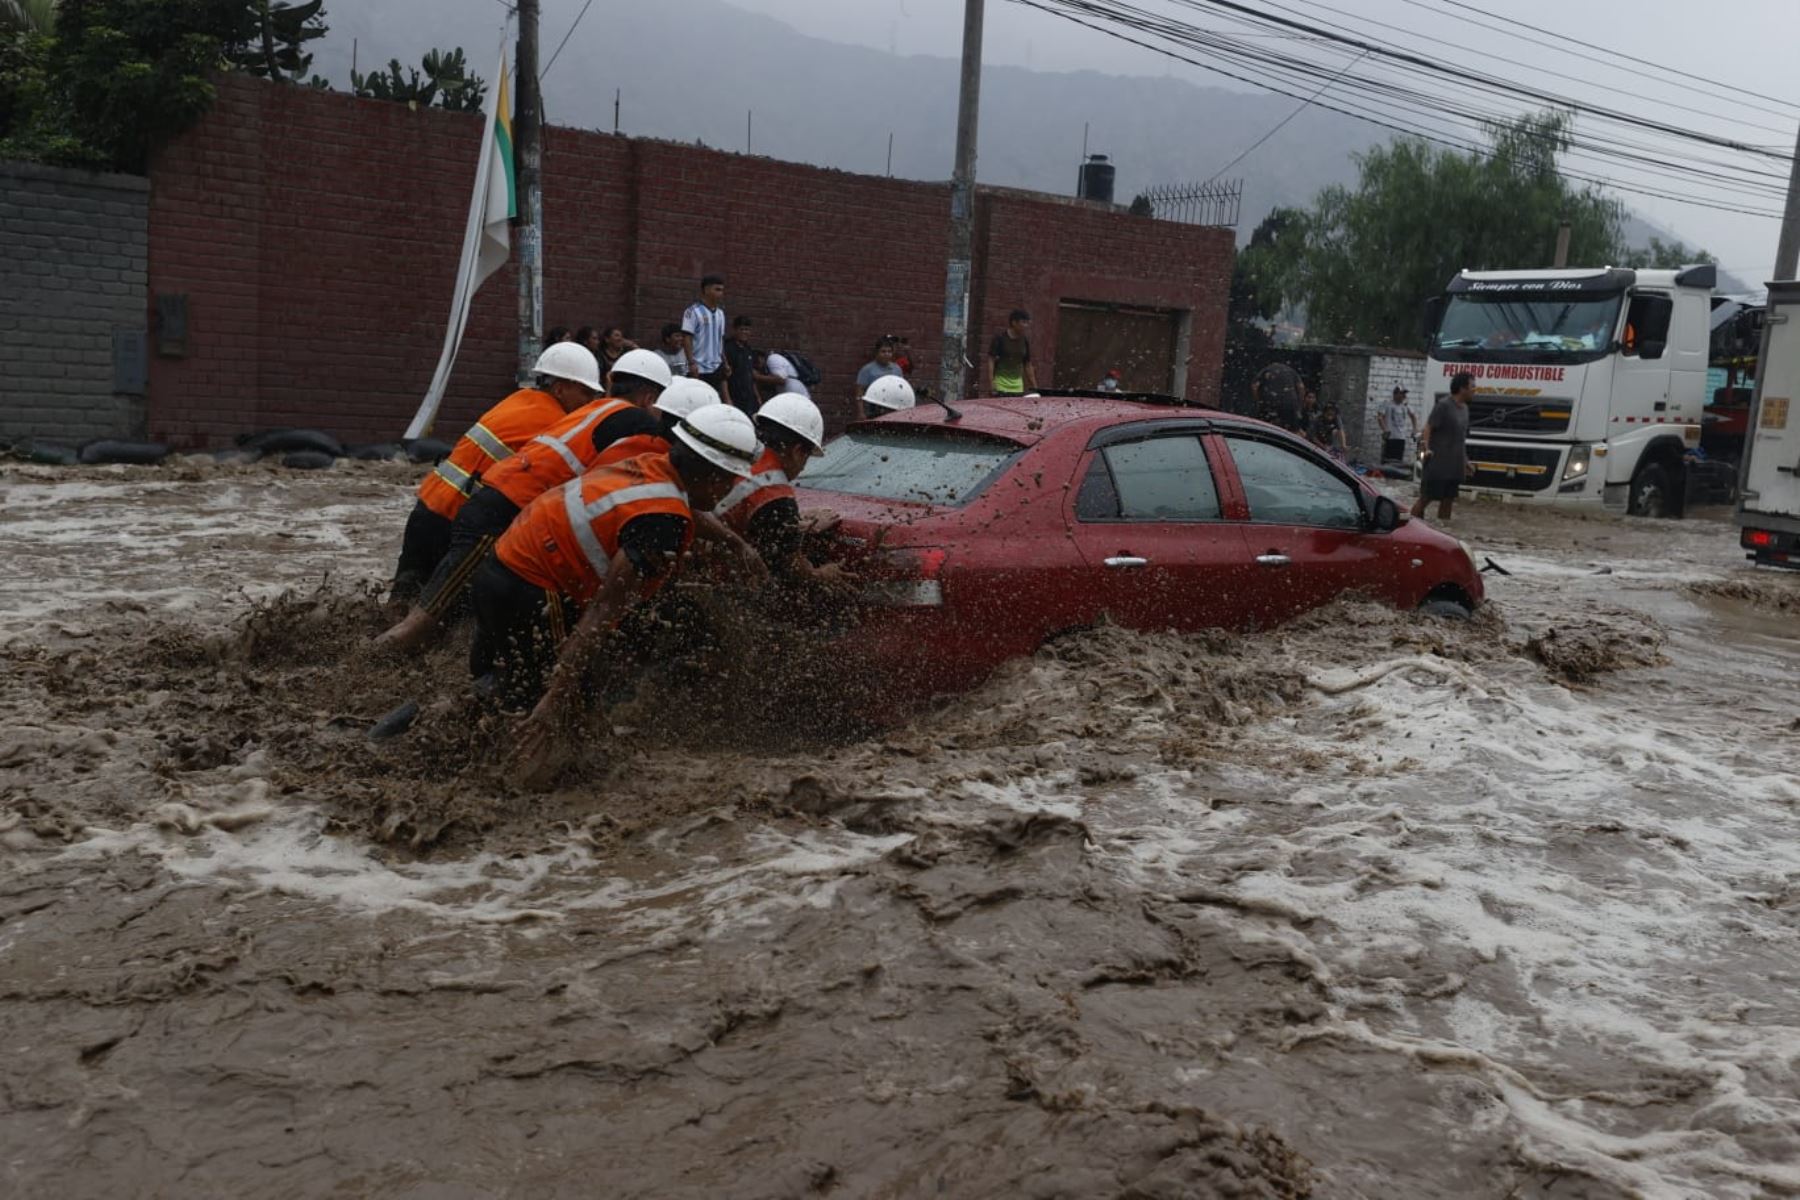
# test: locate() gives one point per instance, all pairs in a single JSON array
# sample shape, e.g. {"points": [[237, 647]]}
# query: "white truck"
{"points": [[1768, 512], [1589, 383]]}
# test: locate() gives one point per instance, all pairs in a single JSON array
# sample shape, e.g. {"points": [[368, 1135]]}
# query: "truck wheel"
{"points": [[1651, 494]]}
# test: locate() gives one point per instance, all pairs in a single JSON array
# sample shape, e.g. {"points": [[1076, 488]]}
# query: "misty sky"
{"points": [[1752, 49]]}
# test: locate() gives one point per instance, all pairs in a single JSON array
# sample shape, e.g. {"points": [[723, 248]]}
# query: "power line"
{"points": [[1513, 62], [565, 38], [1282, 124], [1535, 95], [1062, 8], [1604, 50]]}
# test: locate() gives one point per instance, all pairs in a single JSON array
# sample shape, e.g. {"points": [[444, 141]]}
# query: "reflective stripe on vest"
{"points": [[582, 515], [455, 476], [749, 487], [560, 445], [487, 442]]}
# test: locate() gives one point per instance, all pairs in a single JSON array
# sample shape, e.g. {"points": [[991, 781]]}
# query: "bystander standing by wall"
{"points": [[703, 327]]}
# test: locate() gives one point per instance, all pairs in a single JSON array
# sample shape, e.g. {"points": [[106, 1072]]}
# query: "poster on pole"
{"points": [[487, 241]]}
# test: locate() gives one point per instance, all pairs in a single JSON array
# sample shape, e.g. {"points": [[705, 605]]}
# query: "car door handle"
{"points": [[1273, 560], [1125, 561]]}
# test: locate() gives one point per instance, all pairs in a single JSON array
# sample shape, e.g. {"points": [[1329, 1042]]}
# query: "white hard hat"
{"points": [[796, 413], [683, 395], [890, 392], [644, 364], [571, 361], [721, 435]]}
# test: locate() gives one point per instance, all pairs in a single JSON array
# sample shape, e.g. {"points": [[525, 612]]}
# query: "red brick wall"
{"points": [[316, 236]]}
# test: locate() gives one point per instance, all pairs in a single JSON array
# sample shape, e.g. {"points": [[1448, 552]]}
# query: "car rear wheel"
{"points": [[1449, 610]]}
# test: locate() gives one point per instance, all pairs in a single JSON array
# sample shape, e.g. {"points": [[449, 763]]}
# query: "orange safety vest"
{"points": [[566, 539], [501, 430], [767, 483], [632, 447], [552, 458]]}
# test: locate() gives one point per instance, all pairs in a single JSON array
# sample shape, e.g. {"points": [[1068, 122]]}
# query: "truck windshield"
{"points": [[1535, 329], [903, 462]]}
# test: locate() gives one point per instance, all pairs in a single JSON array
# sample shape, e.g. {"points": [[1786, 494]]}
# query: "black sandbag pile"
{"points": [[106, 451]]}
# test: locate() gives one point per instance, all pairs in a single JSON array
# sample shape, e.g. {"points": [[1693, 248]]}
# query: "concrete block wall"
{"points": [[73, 261], [316, 237], [1385, 374]]}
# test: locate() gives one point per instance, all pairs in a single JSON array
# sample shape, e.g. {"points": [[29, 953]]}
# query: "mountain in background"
{"points": [[690, 70]]}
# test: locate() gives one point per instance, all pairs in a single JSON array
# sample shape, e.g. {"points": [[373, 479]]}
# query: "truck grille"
{"points": [[1514, 468], [1519, 416]]}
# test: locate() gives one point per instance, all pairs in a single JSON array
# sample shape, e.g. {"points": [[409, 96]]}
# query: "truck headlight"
{"points": [[1578, 461]]}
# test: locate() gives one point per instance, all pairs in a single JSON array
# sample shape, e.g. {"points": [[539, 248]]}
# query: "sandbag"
{"points": [[107, 450], [48, 453], [237, 457], [308, 460], [280, 441], [427, 450], [378, 452]]}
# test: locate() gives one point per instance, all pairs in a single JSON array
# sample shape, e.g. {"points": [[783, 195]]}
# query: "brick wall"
{"points": [[316, 235], [72, 269]]}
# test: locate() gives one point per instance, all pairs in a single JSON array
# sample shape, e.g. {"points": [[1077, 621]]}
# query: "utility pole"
{"points": [[528, 157], [1563, 231], [1787, 255], [962, 212]]}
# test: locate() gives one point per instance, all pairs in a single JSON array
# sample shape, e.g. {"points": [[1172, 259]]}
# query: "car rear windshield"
{"points": [[923, 466]]}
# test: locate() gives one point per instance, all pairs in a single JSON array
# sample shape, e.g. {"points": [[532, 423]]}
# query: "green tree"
{"points": [[1363, 260], [277, 36], [112, 78], [26, 16], [446, 81], [1664, 254]]}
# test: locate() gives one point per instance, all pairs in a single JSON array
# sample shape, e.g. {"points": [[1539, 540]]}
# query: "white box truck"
{"points": [[1590, 384], [1768, 512]]}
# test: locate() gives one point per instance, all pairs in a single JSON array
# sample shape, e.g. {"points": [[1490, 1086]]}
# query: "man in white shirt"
{"points": [[778, 365], [1397, 424], [703, 329]]}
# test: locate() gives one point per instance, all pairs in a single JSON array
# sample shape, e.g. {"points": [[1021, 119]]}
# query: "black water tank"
{"points": [[1097, 179]]}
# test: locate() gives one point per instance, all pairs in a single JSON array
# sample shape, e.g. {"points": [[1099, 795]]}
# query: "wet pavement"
{"points": [[1369, 905]]}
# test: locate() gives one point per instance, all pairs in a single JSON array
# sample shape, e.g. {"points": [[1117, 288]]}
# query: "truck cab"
{"points": [[1768, 513], [1589, 385]]}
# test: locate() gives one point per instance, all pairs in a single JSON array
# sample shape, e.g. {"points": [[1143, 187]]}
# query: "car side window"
{"points": [[1157, 479], [1286, 488]]}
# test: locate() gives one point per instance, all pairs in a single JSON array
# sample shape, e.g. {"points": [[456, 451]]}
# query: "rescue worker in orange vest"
{"points": [[764, 509], [581, 556], [568, 377], [610, 429]]}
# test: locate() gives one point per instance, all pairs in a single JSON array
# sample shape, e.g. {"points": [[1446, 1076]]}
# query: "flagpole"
{"points": [[527, 124]]}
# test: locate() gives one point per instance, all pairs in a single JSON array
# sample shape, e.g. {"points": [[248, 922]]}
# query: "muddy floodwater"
{"points": [[1371, 905]]}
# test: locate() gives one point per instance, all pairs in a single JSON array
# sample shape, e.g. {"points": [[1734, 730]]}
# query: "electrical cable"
{"points": [[565, 39], [1282, 124], [1062, 9]]}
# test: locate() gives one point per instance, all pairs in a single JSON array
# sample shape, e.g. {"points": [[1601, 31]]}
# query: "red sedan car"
{"points": [[981, 534]]}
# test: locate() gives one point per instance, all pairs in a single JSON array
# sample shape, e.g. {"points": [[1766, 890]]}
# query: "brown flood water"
{"points": [[1369, 905]]}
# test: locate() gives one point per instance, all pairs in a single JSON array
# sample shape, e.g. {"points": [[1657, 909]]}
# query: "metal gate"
{"points": [[1094, 338]]}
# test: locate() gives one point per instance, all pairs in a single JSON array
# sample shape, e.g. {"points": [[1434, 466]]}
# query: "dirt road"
{"points": [[1366, 906]]}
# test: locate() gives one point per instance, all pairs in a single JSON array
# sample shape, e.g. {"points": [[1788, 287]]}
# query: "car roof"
{"points": [[1027, 420]]}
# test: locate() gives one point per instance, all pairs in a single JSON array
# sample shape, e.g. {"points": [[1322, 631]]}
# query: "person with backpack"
{"points": [[797, 374]]}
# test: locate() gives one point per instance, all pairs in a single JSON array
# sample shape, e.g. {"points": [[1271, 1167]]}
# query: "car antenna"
{"points": [[951, 415]]}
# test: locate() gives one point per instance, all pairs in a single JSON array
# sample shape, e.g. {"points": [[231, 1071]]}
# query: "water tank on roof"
{"points": [[1097, 179]]}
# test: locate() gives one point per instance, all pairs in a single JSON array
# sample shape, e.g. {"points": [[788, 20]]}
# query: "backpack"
{"points": [[804, 370]]}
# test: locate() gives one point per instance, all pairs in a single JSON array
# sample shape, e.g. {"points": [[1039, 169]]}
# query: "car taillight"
{"points": [[906, 578], [1758, 537]]}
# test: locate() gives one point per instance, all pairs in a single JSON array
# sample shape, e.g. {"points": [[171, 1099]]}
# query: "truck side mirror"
{"points": [[1651, 348], [1432, 319]]}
